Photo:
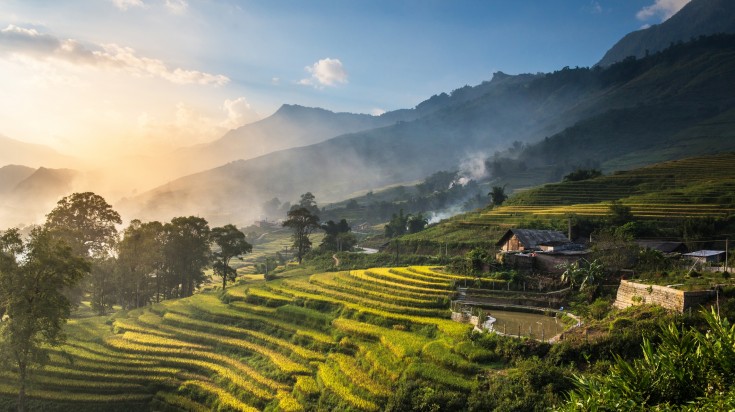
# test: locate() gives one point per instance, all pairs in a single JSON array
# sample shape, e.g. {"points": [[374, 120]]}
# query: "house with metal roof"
{"points": [[706, 256], [518, 240], [663, 246]]}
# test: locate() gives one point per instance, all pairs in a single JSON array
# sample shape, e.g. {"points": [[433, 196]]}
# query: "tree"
{"points": [[582, 174], [272, 207], [582, 275], [231, 243], [186, 254], [102, 283], [498, 195], [620, 214], [337, 236], [416, 223], [397, 226], [33, 275], [308, 202], [140, 263], [302, 222], [86, 222]]}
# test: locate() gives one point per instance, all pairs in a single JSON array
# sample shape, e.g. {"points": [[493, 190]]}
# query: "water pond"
{"points": [[533, 325]]}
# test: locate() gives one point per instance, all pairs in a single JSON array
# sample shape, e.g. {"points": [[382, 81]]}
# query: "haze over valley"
{"points": [[228, 175]]}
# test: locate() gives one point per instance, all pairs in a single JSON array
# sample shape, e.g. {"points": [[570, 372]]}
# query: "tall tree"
{"points": [[308, 202], [397, 226], [302, 222], [33, 275], [498, 195], [416, 223], [87, 222], [231, 243], [139, 263], [337, 236], [186, 254]]}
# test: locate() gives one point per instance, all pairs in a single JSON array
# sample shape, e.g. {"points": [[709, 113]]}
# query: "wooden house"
{"points": [[518, 240]]}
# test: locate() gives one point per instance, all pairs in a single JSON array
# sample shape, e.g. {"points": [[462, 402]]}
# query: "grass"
{"points": [[333, 333]]}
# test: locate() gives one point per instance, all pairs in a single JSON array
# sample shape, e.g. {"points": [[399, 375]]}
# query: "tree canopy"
{"points": [[337, 236], [33, 307], [86, 221], [231, 242], [186, 254], [302, 222]]}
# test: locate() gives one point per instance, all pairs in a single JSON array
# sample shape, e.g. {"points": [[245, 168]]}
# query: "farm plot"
{"points": [[340, 338]]}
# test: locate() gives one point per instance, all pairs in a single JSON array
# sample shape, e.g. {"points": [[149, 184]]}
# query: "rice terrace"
{"points": [[363, 206]]}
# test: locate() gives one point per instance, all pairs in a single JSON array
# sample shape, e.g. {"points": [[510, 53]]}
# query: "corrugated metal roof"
{"points": [[705, 253], [532, 238], [665, 246]]}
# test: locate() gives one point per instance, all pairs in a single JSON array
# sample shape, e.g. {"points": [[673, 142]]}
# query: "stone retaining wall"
{"points": [[631, 293]]}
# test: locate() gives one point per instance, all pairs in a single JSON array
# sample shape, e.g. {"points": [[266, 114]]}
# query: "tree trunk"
{"points": [[22, 390]]}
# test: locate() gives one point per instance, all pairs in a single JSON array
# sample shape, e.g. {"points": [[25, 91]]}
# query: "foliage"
{"points": [[86, 222], [582, 275], [397, 225], [614, 249], [498, 195], [338, 237], [685, 369], [416, 223], [302, 222], [582, 174], [140, 264], [186, 253], [620, 214], [308, 202], [231, 243], [33, 275]]}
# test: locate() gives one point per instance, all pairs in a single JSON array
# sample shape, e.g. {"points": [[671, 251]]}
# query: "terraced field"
{"points": [[337, 340], [687, 188]]}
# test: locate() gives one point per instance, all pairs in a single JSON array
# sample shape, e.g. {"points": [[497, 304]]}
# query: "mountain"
{"points": [[11, 175], [631, 106], [15, 152], [697, 18], [34, 194], [290, 126]]}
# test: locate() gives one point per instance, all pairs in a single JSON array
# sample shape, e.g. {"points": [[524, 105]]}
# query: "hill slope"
{"points": [[596, 114], [16, 152], [698, 18], [290, 126], [339, 340], [668, 193]]}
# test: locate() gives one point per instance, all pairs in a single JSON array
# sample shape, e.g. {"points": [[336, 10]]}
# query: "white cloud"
{"points": [[596, 7], [275, 81], [662, 9], [30, 42], [239, 112], [126, 4], [325, 72], [377, 111], [177, 6]]}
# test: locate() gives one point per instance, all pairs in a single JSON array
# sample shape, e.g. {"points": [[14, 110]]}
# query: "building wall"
{"points": [[631, 293], [513, 244]]}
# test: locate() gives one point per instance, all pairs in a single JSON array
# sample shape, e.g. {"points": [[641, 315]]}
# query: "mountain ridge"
{"points": [[697, 18], [692, 78]]}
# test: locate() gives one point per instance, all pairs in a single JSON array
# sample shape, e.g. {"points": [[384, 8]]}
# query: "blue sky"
{"points": [[177, 72]]}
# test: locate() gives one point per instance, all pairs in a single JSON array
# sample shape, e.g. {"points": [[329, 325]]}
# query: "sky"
{"points": [[116, 77]]}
